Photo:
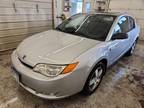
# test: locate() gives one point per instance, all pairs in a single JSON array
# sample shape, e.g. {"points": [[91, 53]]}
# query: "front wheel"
{"points": [[94, 79]]}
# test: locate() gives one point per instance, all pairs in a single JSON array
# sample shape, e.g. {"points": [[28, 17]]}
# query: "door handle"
{"points": [[112, 47]]}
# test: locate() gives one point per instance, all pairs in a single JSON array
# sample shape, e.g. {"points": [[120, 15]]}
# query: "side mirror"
{"points": [[120, 36]]}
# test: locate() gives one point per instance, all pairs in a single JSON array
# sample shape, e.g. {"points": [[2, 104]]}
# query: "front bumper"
{"points": [[50, 97], [46, 87]]}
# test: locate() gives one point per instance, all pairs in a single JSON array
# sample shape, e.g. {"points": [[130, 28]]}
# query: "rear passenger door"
{"points": [[133, 33]]}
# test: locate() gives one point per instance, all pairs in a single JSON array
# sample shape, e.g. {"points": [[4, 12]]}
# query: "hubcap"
{"points": [[96, 78], [133, 48]]}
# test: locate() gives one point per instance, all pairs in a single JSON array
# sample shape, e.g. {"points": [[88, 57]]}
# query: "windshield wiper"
{"points": [[59, 29], [80, 34]]}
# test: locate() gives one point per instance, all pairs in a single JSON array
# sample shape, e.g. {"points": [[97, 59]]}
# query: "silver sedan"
{"points": [[74, 57]]}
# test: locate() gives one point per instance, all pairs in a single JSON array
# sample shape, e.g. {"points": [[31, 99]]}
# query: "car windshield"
{"points": [[89, 26]]}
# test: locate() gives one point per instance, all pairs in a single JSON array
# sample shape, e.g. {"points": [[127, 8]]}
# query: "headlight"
{"points": [[54, 70]]}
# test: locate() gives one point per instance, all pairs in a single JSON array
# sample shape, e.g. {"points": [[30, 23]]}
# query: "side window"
{"points": [[132, 23], [124, 24], [117, 29]]}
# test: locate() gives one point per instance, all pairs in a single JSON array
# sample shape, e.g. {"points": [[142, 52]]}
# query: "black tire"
{"points": [[131, 51], [87, 90]]}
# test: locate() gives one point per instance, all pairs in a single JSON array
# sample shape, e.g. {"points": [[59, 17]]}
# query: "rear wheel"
{"points": [[94, 79], [131, 51]]}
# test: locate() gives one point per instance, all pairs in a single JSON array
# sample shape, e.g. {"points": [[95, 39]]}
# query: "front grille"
{"points": [[25, 64]]}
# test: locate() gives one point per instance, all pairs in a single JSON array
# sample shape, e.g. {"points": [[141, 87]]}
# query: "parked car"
{"points": [[74, 57]]}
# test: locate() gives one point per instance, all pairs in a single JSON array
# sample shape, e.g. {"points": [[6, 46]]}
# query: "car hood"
{"points": [[53, 47]]}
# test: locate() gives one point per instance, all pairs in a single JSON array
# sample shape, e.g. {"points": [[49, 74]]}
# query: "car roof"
{"points": [[106, 13], [111, 13], [117, 14]]}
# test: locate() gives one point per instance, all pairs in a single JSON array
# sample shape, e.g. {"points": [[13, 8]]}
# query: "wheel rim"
{"points": [[96, 78], [133, 48]]}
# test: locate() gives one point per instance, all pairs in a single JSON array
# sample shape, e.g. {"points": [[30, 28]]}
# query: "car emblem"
{"points": [[24, 57]]}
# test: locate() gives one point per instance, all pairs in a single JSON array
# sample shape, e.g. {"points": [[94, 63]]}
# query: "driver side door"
{"points": [[118, 47]]}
